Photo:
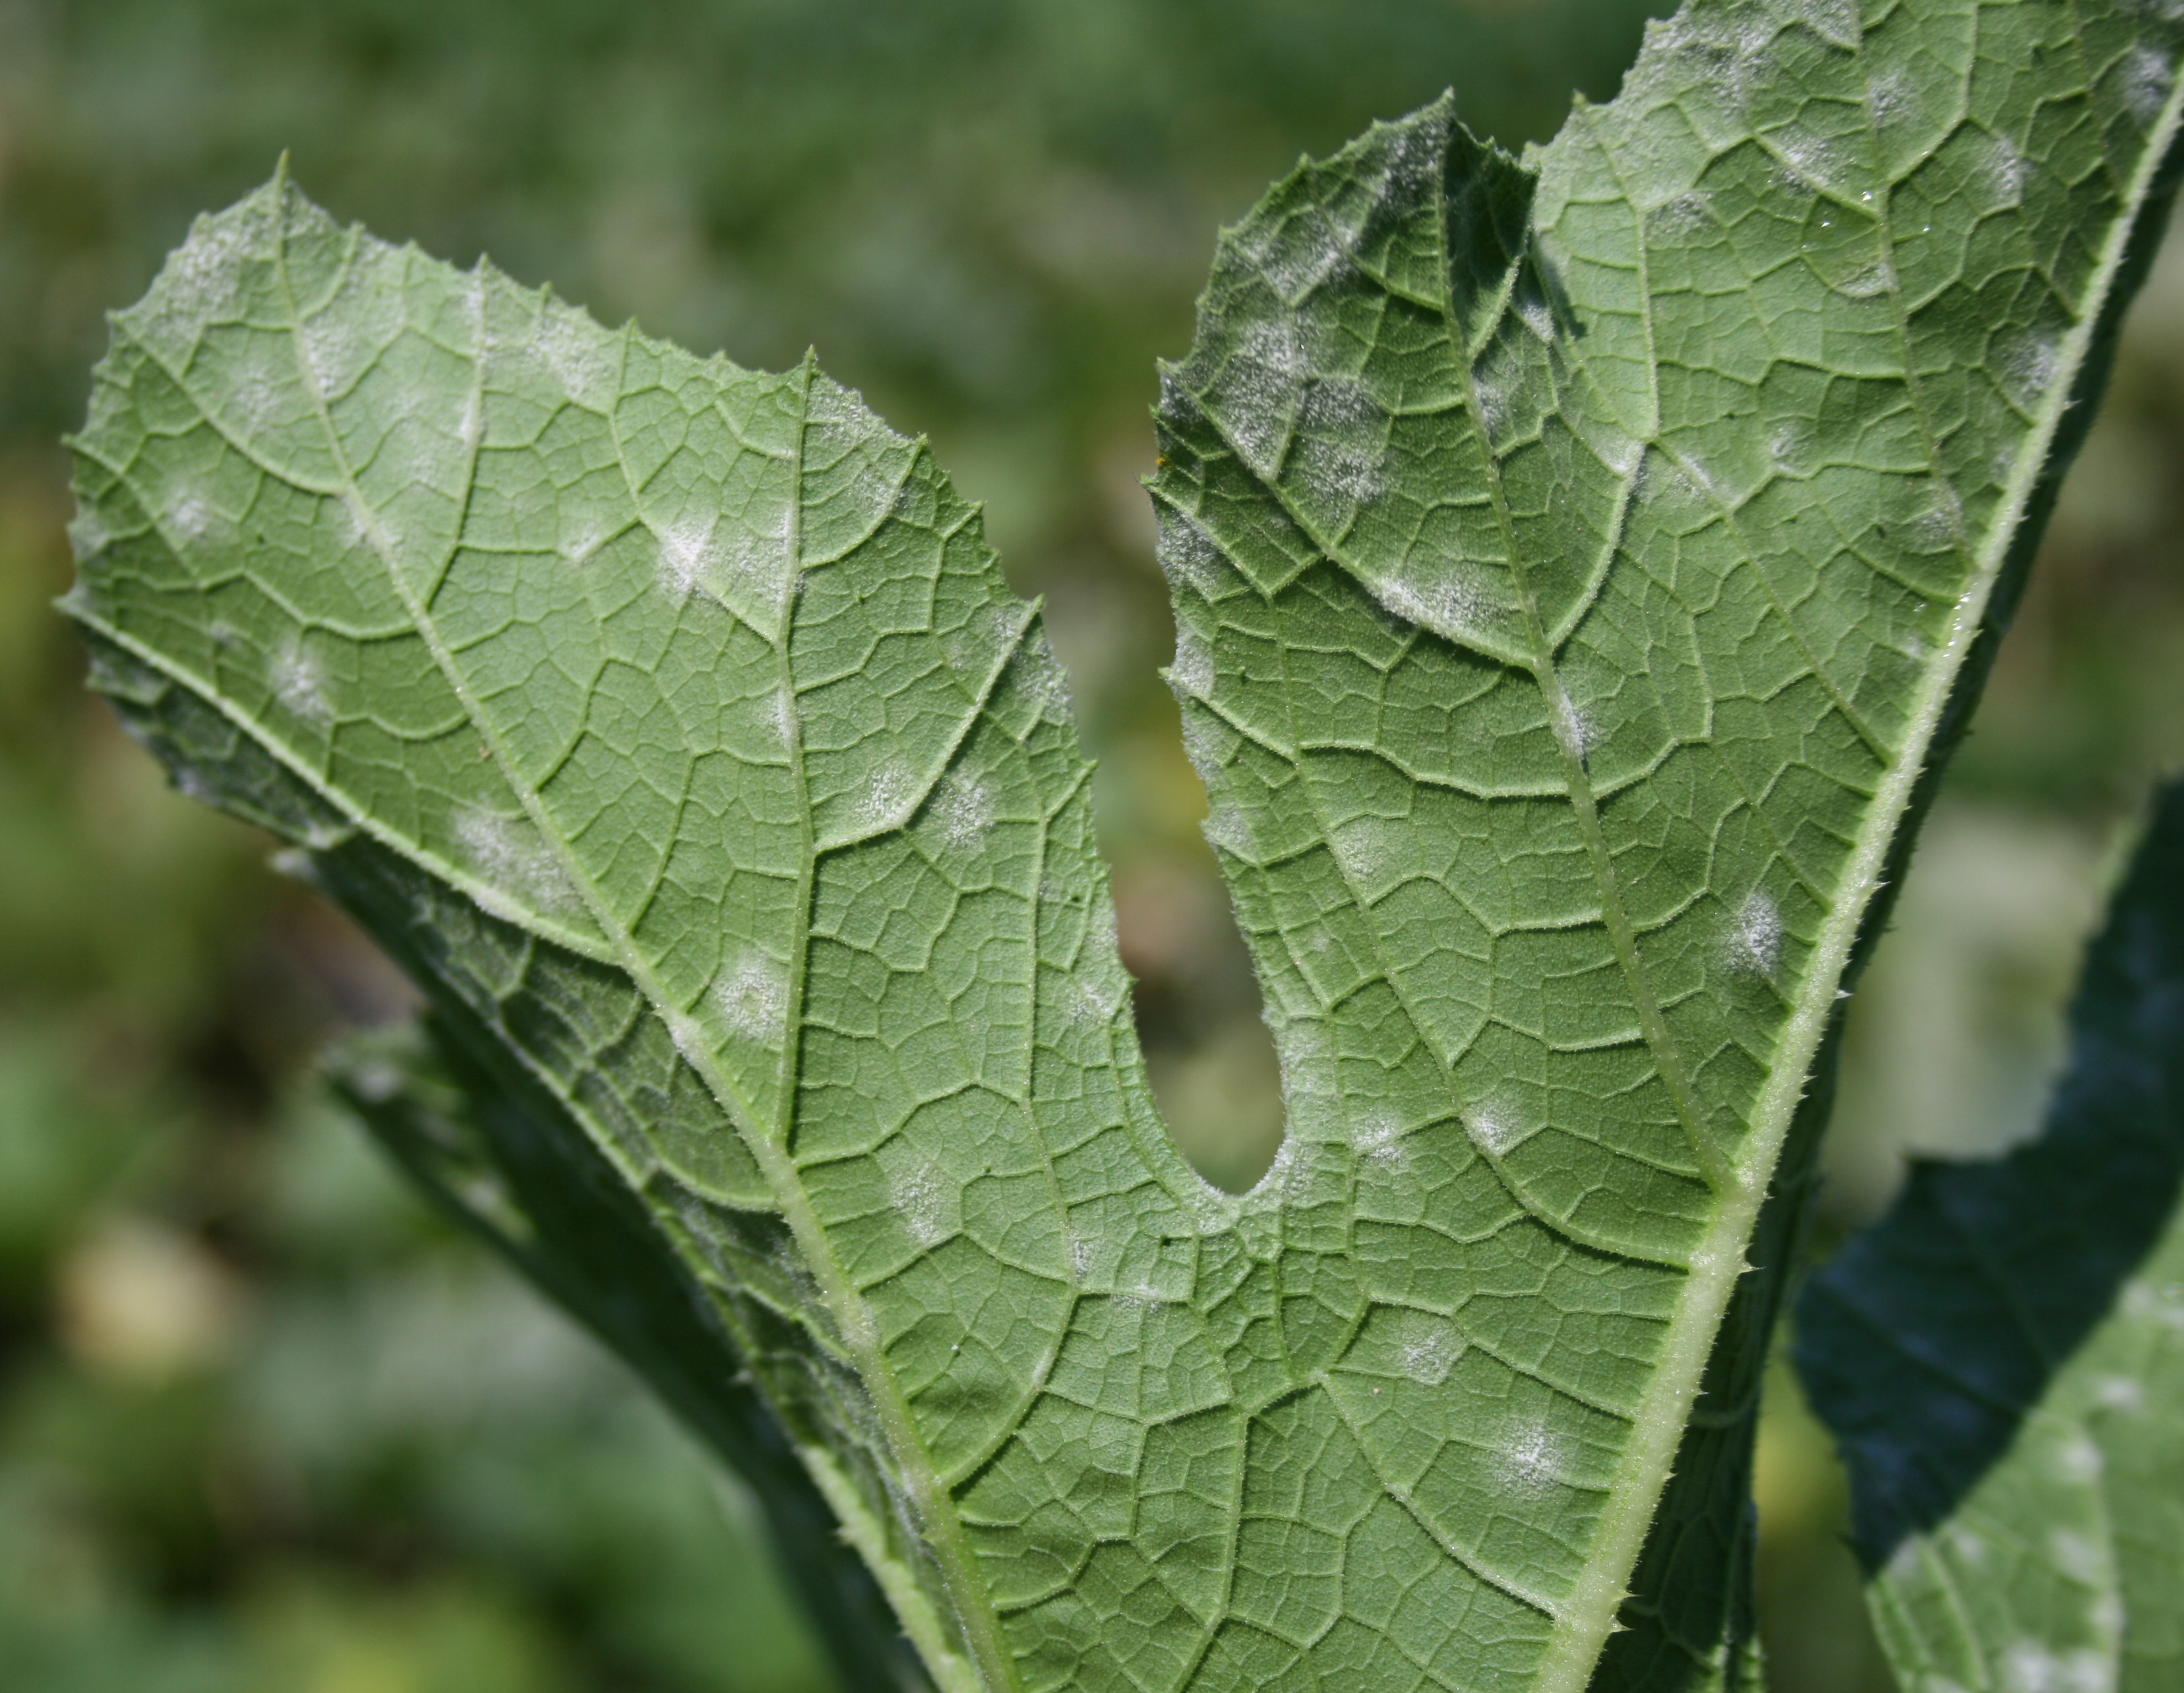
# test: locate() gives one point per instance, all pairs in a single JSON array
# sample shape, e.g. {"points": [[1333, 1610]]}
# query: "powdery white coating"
{"points": [[1755, 940], [886, 796], [2119, 1393], [1935, 529], [189, 518], [1673, 223], [1531, 1461], [88, 535], [1229, 829], [2031, 1666], [299, 683], [973, 650], [1429, 1357], [1202, 744], [1258, 392], [752, 999], [337, 353], [1889, 98], [1834, 21], [2147, 75], [1375, 1130], [1815, 161], [1045, 682], [758, 564], [1363, 847], [2079, 1460], [2077, 1557], [1869, 281], [2004, 168], [1187, 553], [508, 855], [197, 286], [2029, 364], [685, 551], [1192, 672], [1338, 473], [1300, 255], [1494, 1132], [963, 808], [1572, 727], [1789, 442], [920, 1199], [1970, 1545], [1443, 603], [579, 353]]}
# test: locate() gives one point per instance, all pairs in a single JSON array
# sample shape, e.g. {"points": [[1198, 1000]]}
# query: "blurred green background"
{"points": [[265, 1424]]}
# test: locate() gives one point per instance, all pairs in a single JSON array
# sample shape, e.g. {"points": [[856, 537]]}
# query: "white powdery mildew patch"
{"points": [[2147, 75], [1755, 939], [752, 999], [1531, 1461], [1334, 473], [2031, 1666], [686, 548], [964, 810], [198, 287], [1572, 727], [1934, 530], [1258, 392], [1814, 161], [1673, 223], [336, 352], [1192, 672], [1364, 847], [189, 519], [760, 565], [885, 799], [1045, 682], [1443, 603], [299, 683], [1429, 1357], [2004, 169], [2076, 1556], [2030, 363], [1188, 554], [1201, 745], [1834, 21], [1413, 164], [88, 535], [1869, 281], [2079, 1461], [1492, 1130], [920, 1197], [1300, 255], [510, 858], [972, 648], [576, 350], [1888, 97], [1789, 443], [1229, 828], [2119, 1393]]}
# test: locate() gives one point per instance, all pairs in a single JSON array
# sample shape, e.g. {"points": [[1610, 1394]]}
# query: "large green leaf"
{"points": [[2003, 1358], [1576, 576]]}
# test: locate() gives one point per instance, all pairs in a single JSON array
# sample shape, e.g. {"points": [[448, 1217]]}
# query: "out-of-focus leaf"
{"points": [[2002, 1358]]}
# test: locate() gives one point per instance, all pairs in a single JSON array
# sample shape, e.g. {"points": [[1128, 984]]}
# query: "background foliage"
{"points": [[263, 1423]]}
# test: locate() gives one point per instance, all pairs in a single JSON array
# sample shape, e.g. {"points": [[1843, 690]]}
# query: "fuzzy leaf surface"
{"points": [[1577, 564], [2001, 1356]]}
